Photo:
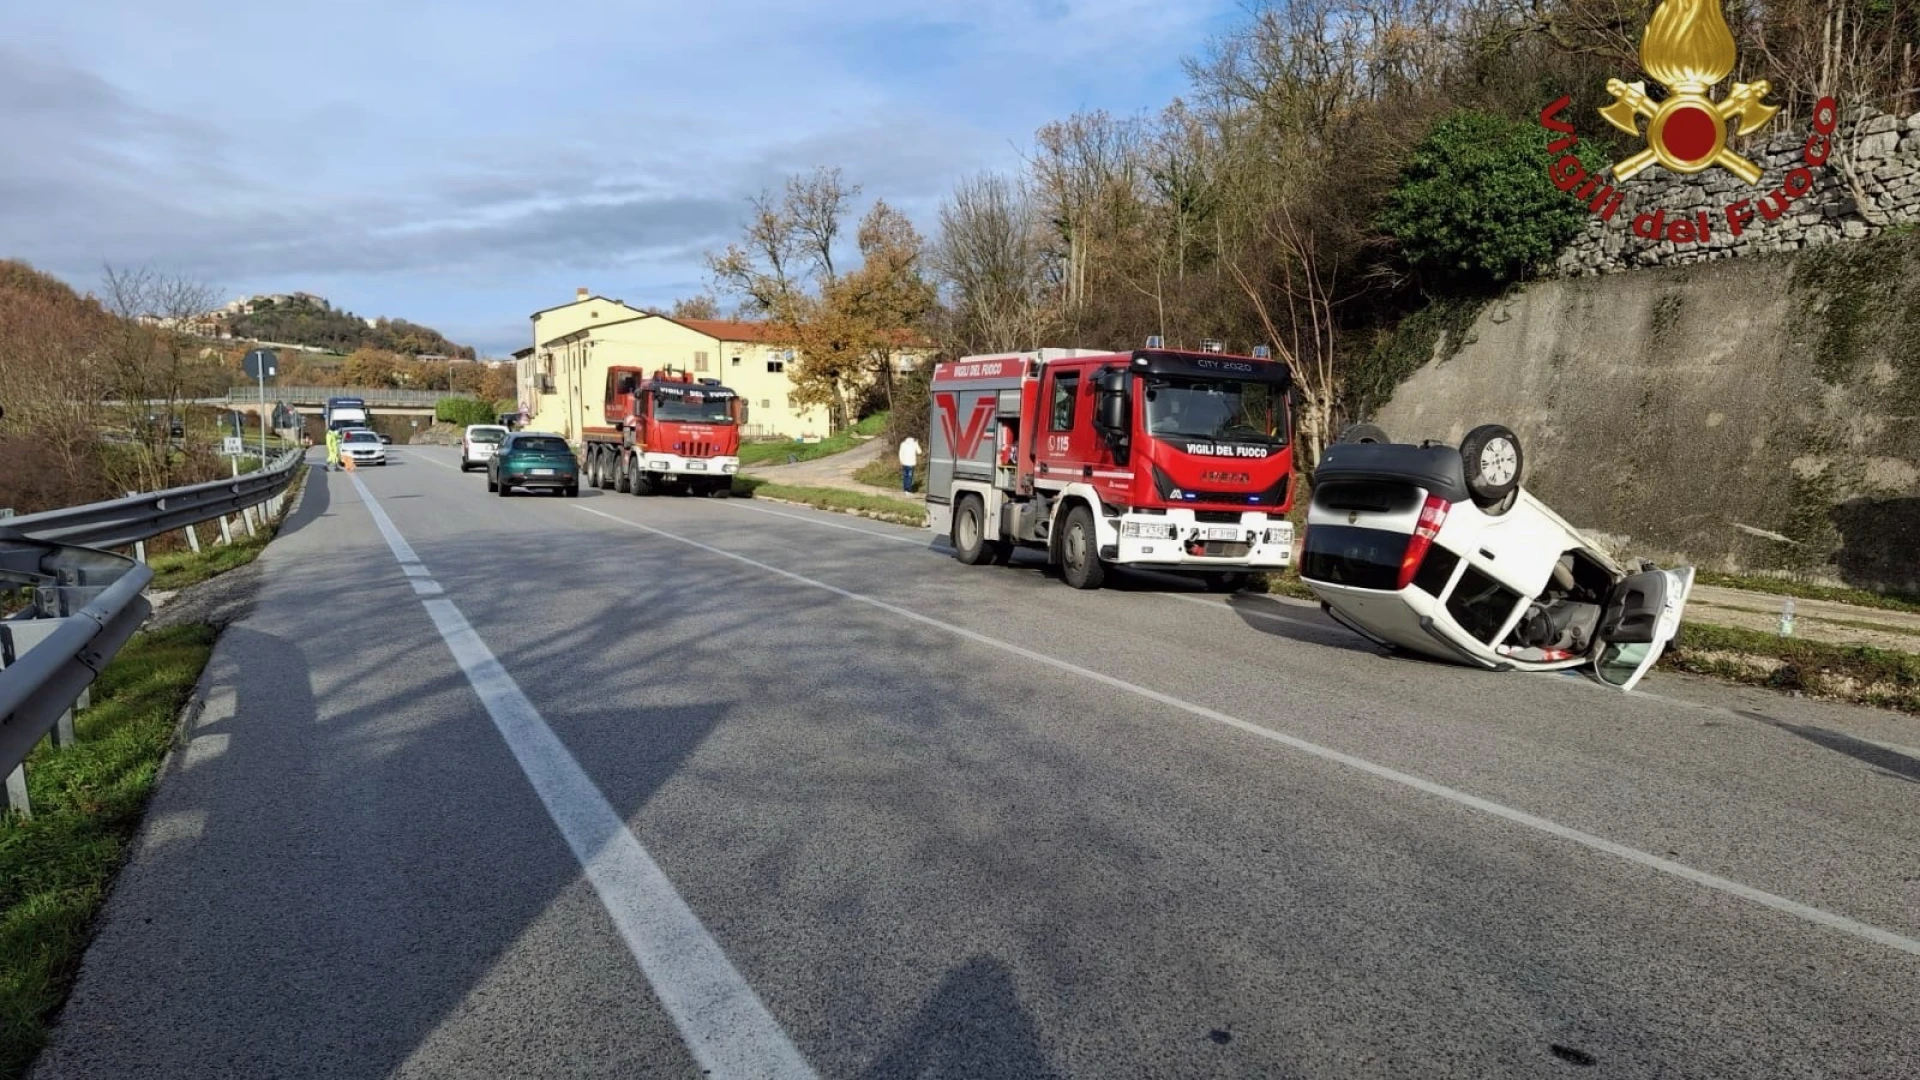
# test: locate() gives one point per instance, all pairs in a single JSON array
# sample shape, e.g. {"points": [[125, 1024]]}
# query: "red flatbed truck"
{"points": [[665, 432], [1157, 459]]}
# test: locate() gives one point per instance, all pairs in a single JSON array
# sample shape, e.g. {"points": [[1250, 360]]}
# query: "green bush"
{"points": [[1473, 207], [461, 411]]}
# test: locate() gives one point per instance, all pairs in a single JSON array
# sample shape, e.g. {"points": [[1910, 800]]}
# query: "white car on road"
{"points": [[363, 446], [1437, 550], [479, 443]]}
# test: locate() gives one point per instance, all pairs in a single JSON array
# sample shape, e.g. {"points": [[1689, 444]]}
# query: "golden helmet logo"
{"points": [[1688, 50]]}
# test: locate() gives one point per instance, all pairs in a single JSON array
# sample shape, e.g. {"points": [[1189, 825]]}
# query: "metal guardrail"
{"points": [[318, 395], [87, 602]]}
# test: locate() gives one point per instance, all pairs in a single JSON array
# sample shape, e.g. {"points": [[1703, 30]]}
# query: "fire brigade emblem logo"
{"points": [[1688, 49]]}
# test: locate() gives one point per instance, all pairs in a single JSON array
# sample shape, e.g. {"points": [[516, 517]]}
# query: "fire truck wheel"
{"points": [[969, 532], [1226, 583], [623, 478], [637, 482], [1080, 550]]}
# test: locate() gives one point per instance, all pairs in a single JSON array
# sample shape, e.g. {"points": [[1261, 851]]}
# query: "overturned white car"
{"points": [[1438, 550]]}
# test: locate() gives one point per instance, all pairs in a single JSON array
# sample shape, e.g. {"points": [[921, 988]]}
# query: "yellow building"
{"points": [[563, 376]]}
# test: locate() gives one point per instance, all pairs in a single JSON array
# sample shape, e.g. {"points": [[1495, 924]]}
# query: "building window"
{"points": [[766, 403], [699, 361], [736, 361], [776, 365], [1065, 388]]}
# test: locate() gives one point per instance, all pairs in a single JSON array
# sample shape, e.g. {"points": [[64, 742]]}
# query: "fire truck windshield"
{"points": [[1215, 409], [679, 409]]}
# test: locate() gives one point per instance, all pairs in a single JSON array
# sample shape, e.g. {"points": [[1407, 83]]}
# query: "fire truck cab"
{"points": [[1157, 459]]}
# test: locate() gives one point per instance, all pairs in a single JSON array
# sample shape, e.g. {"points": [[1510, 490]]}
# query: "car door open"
{"points": [[1642, 615]]}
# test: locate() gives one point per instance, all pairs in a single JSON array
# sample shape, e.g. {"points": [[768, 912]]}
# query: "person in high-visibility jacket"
{"points": [[333, 450]]}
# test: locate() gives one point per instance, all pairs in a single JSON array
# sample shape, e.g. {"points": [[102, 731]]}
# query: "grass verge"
{"points": [[179, 569], [885, 472], [56, 867], [1858, 674], [898, 511], [775, 453], [1885, 601]]}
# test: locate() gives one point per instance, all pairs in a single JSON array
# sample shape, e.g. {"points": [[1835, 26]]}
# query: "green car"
{"points": [[533, 459]]}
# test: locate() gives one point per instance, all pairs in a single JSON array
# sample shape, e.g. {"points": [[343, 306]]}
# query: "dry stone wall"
{"points": [[1881, 152]]}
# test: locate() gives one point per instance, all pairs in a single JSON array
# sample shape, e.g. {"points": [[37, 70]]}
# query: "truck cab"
{"points": [[665, 431], [1159, 458]]}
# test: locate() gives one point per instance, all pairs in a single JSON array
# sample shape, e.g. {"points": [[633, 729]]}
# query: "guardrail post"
{"points": [[246, 515], [193, 540], [139, 546], [226, 534], [17, 791]]}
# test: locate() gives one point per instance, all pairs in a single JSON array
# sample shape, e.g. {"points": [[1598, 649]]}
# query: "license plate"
{"points": [[543, 472], [1223, 534], [697, 465]]}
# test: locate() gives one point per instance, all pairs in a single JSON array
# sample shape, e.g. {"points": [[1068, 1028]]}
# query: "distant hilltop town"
{"points": [[311, 322]]}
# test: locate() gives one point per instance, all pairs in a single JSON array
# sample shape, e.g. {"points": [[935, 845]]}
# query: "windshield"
{"points": [[1216, 409], [542, 445], [362, 436], [487, 434], [707, 410]]}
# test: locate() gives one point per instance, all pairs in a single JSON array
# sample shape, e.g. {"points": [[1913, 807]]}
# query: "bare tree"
{"points": [[991, 255], [814, 208], [153, 359]]}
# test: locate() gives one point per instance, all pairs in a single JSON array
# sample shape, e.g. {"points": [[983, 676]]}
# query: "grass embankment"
{"points": [[885, 472], [179, 569], [879, 507], [775, 453], [1885, 601], [1858, 674], [55, 867]]}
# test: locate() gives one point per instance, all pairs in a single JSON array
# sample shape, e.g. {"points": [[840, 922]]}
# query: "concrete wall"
{"points": [[1760, 414]]}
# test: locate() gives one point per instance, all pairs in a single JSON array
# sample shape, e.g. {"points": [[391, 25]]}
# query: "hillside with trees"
{"points": [[1342, 180], [303, 321]]}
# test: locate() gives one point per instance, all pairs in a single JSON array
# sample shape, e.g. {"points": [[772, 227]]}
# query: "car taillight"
{"points": [[1432, 516]]}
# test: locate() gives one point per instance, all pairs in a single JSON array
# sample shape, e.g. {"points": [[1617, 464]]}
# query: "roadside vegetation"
{"points": [[56, 867], [776, 452], [1858, 674], [884, 471], [879, 507], [1780, 586]]}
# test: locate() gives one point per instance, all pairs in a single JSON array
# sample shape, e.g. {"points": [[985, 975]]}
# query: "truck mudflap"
{"points": [[1176, 540]]}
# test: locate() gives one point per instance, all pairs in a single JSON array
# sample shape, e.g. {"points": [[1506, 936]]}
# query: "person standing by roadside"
{"points": [[909, 455], [333, 450]]}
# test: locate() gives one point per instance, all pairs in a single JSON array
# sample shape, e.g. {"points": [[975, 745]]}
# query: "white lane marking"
{"points": [[1682, 871], [723, 1022], [741, 504], [426, 588], [401, 549]]}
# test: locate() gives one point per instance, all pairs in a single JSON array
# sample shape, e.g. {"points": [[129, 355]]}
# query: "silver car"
{"points": [[363, 446]]}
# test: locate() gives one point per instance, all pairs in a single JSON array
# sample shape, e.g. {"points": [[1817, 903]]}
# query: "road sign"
{"points": [[232, 446], [261, 364]]}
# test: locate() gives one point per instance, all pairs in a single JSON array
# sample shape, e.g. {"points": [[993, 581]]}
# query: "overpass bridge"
{"points": [[314, 398]]}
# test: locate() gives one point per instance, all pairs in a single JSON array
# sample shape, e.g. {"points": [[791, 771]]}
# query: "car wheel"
{"points": [[1226, 583], [505, 489], [1364, 433], [969, 532], [492, 484], [573, 491], [1080, 550], [1491, 456]]}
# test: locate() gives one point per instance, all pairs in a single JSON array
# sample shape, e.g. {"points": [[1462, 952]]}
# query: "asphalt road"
{"points": [[645, 787]]}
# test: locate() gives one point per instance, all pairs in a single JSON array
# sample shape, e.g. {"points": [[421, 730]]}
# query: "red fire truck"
{"points": [[665, 432], [1159, 458]]}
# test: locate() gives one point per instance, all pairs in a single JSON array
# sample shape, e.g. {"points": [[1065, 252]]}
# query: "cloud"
{"points": [[480, 153]]}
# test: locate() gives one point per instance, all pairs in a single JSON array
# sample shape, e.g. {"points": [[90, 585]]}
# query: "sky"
{"points": [[464, 164]]}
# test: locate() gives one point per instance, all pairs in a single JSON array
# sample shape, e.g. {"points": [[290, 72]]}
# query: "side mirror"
{"points": [[626, 384]]}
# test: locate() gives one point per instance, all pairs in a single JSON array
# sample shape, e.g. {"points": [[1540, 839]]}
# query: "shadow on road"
{"points": [[972, 1026], [1889, 761]]}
